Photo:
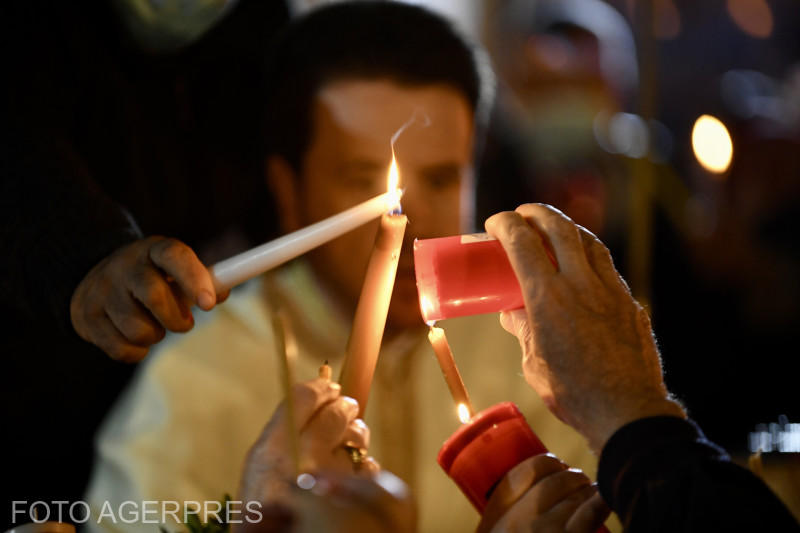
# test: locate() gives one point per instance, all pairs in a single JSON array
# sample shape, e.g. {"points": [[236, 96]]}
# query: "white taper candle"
{"points": [[246, 265]]}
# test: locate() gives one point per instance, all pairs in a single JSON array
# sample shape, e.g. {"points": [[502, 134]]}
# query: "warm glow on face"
{"points": [[712, 144], [463, 413]]}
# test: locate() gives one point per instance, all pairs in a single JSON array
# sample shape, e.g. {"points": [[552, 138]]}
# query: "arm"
{"points": [[73, 257], [662, 474], [56, 225], [590, 353]]}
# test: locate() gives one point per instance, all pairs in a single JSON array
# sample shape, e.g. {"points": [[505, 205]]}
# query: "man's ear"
{"points": [[282, 181]]}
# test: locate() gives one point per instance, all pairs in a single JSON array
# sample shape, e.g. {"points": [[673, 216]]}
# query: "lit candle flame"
{"points": [[392, 183], [426, 306], [394, 175], [712, 144], [463, 413]]}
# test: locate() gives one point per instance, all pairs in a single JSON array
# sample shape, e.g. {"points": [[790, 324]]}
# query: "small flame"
{"points": [[463, 413], [392, 183], [394, 175], [426, 306]]}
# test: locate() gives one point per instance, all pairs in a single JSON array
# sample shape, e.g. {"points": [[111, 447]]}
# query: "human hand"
{"points": [[128, 300], [544, 494], [588, 348], [326, 422], [334, 502]]}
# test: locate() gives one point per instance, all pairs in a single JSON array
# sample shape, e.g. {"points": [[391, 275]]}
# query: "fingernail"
{"points": [[576, 470], [206, 300], [334, 386], [351, 401], [520, 477], [360, 423]]}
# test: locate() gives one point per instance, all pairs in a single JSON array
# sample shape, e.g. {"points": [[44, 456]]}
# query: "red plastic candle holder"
{"points": [[483, 450], [464, 275]]}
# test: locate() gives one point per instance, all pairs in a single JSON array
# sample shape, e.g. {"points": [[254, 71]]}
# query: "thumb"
{"points": [[515, 322]]}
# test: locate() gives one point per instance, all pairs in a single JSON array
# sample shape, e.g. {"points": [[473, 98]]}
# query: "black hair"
{"points": [[406, 44]]}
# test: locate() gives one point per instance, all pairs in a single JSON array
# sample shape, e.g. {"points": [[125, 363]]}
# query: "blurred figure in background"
{"points": [[113, 135], [568, 68]]}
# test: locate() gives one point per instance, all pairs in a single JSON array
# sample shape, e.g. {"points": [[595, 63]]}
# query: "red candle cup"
{"points": [[480, 452], [464, 275], [483, 450]]}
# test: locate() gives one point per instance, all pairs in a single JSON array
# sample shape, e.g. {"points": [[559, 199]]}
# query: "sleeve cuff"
{"points": [[640, 450]]}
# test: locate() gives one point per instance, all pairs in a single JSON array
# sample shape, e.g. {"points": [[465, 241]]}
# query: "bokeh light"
{"points": [[712, 144], [753, 17]]}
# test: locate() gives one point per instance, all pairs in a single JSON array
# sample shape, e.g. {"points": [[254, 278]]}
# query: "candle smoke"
{"points": [[394, 173]]}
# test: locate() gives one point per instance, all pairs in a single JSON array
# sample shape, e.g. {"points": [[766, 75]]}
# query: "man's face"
{"points": [[348, 161]]}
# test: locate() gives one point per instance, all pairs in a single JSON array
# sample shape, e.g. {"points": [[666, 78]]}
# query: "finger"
{"points": [[308, 397], [562, 233], [151, 289], [221, 297], [589, 515], [356, 434], [134, 322], [517, 482], [340, 460], [552, 489], [326, 429], [524, 247], [385, 496], [560, 514], [105, 336], [370, 467], [600, 260], [516, 323], [180, 262]]}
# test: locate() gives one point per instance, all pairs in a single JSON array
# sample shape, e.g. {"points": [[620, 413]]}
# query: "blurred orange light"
{"points": [[752, 16], [712, 144]]}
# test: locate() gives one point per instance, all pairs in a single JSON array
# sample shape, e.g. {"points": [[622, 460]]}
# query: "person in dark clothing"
{"points": [[589, 351], [108, 143]]}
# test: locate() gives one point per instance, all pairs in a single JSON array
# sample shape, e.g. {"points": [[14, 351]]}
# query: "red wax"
{"points": [[464, 275], [480, 453], [483, 450]]}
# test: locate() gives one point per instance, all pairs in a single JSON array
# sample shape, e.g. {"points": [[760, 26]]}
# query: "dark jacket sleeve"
{"points": [[662, 474], [56, 225]]}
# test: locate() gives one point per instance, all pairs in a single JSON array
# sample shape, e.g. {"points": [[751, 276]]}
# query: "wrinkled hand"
{"points": [[588, 348], [325, 421], [543, 494], [126, 302]]}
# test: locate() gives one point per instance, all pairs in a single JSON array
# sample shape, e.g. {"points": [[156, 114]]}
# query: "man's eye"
{"points": [[443, 180]]}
